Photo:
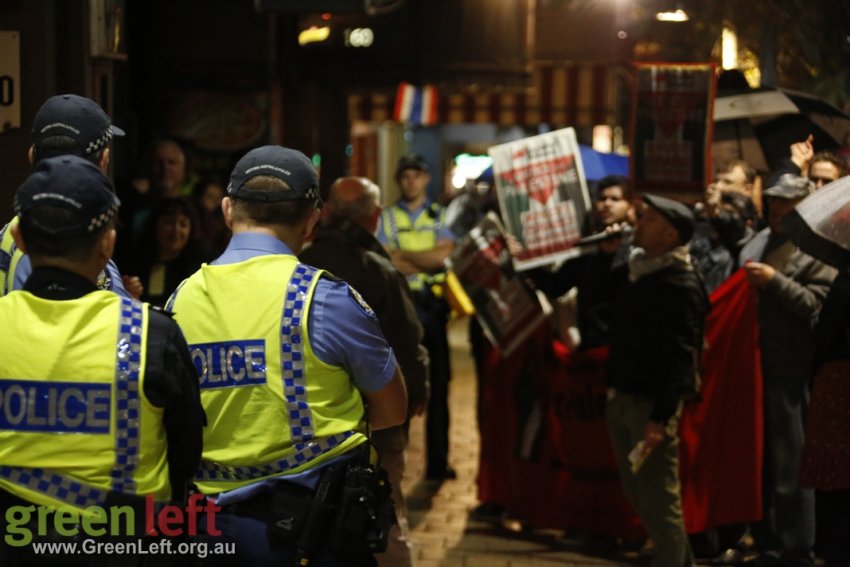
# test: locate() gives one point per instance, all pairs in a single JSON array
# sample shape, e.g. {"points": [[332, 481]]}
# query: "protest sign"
{"points": [[672, 128], [506, 306], [542, 191]]}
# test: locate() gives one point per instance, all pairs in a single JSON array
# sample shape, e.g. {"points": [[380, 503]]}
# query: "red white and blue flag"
{"points": [[416, 105]]}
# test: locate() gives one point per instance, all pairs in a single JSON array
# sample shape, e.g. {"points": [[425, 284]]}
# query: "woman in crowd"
{"points": [[169, 249]]}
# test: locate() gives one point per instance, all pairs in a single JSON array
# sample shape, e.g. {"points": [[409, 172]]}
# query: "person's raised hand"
{"points": [[802, 152]]}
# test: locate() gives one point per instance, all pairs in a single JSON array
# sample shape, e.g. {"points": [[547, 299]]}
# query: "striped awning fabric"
{"points": [[560, 94]]}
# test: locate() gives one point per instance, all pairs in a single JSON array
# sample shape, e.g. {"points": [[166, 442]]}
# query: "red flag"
{"points": [[722, 436]]}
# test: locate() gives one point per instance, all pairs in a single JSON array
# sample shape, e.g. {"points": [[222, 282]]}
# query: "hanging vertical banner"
{"points": [[416, 105], [672, 128], [543, 194]]}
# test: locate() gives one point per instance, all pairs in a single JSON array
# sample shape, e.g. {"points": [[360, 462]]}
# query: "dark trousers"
{"points": [[833, 527], [433, 314], [789, 509]]}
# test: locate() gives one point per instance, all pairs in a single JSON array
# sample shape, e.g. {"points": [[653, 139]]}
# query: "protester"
{"points": [[345, 245], [791, 287], [288, 357], [600, 277], [826, 460], [656, 337], [821, 168], [136, 430]]}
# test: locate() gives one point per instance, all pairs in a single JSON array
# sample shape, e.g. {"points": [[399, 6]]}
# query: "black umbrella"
{"points": [[820, 224], [759, 126]]}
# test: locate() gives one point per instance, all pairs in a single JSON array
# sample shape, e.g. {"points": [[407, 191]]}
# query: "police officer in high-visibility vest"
{"points": [[288, 356], [99, 401], [65, 125], [415, 233]]}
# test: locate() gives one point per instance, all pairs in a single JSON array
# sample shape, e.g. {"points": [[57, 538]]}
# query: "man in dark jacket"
{"points": [[656, 337], [346, 246], [791, 286]]}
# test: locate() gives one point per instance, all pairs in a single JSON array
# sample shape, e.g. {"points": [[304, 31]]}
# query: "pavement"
{"points": [[442, 531]]}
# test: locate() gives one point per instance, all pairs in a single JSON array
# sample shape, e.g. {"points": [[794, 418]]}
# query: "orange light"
{"points": [[326, 16]]}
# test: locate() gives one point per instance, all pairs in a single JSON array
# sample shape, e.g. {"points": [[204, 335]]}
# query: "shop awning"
{"points": [[560, 94]]}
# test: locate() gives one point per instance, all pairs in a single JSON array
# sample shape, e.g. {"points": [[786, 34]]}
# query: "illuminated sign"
{"points": [[314, 34], [359, 37]]}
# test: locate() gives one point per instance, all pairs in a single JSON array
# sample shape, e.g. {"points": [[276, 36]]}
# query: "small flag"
{"points": [[416, 105]]}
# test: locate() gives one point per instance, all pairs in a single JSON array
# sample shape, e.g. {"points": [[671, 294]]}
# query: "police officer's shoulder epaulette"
{"points": [[162, 310], [434, 210], [330, 276]]}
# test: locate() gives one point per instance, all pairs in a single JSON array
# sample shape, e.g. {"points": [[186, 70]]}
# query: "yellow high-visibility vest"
{"points": [[273, 408], [74, 420]]}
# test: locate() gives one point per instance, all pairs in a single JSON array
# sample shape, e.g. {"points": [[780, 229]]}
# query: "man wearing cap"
{"points": [[791, 287], [64, 125], [288, 356], [415, 233], [656, 336], [114, 410]]}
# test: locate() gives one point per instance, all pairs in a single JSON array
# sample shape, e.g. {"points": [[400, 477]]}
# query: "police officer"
{"points": [[288, 357], [415, 233], [65, 125], [100, 402]]}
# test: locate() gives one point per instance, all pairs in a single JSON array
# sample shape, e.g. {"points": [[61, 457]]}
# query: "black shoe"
{"points": [[766, 559], [446, 473], [731, 556], [489, 512]]}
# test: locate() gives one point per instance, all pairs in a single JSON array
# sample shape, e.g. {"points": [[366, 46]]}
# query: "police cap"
{"points": [[71, 183], [78, 118], [288, 165]]}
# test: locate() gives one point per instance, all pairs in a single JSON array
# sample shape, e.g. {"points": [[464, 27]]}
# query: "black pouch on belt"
{"points": [[290, 505]]}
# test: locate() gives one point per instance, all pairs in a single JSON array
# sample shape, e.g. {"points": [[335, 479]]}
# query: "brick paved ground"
{"points": [[442, 532]]}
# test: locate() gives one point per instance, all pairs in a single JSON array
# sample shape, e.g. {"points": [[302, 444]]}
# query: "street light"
{"points": [[677, 15]]}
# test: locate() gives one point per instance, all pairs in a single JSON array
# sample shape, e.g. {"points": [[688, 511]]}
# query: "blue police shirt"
{"points": [[114, 283], [353, 340], [443, 232]]}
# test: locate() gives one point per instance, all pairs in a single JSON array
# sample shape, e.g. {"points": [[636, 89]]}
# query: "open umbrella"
{"points": [[820, 224], [760, 126]]}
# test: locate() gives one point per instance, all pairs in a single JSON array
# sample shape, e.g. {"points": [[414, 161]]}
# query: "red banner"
{"points": [[544, 439]]}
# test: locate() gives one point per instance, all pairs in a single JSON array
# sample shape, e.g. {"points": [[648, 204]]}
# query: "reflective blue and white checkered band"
{"points": [[294, 391], [55, 485], [292, 354], [127, 366], [103, 218], [95, 145], [304, 453], [6, 261], [128, 405]]}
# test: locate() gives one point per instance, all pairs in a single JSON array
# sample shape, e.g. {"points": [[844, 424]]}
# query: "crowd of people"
{"points": [[644, 299], [270, 382]]}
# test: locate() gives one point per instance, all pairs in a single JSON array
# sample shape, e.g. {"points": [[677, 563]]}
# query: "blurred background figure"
{"points": [[791, 286], [169, 249], [207, 196]]}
